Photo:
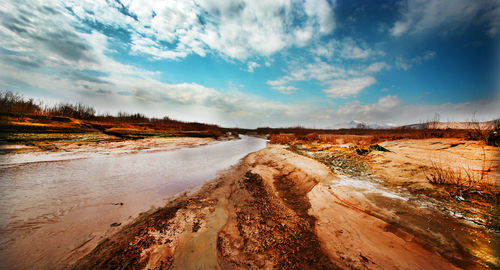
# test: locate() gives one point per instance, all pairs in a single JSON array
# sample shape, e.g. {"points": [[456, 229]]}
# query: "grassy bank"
{"points": [[23, 120]]}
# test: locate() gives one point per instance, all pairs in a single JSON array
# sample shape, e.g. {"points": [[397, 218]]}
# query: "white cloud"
{"points": [[349, 49], [252, 65], [407, 64], [376, 67], [345, 88], [235, 29], [285, 89], [421, 15], [322, 12], [399, 28], [326, 74], [403, 64], [428, 55], [346, 48], [57, 61], [382, 106], [303, 36]]}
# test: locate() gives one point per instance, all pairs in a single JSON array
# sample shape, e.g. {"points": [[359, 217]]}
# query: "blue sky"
{"points": [[315, 63]]}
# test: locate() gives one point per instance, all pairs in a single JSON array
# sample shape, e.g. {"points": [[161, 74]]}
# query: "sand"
{"points": [[408, 159], [277, 209], [66, 150]]}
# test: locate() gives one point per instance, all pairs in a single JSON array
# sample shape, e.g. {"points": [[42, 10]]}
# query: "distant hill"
{"points": [[361, 124], [453, 125]]}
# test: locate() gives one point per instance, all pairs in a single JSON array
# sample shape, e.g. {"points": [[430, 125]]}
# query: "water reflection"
{"points": [[35, 194]]}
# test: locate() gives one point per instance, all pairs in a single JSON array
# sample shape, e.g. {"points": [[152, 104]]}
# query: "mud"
{"points": [[279, 210], [270, 231]]}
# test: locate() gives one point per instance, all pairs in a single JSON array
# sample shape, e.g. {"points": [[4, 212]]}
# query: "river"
{"points": [[50, 211]]}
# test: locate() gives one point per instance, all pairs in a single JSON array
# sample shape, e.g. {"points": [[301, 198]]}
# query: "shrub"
{"points": [[460, 180]]}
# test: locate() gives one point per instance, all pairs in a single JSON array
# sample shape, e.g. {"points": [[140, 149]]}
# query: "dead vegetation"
{"points": [[462, 181], [487, 132], [373, 136], [24, 119]]}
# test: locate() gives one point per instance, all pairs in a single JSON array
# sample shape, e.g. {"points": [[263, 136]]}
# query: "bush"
{"points": [[461, 180], [17, 104], [494, 134]]}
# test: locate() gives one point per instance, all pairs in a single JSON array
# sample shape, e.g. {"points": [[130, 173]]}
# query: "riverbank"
{"points": [[462, 176], [38, 137], [54, 211], [21, 153], [279, 209]]}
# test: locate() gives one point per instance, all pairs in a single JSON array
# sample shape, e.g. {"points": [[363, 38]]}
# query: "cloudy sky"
{"points": [[249, 63]]}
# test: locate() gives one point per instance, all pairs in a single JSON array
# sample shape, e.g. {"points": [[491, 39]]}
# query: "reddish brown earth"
{"points": [[280, 210]]}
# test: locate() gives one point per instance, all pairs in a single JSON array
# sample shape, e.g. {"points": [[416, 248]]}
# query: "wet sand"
{"points": [[277, 209], [78, 149], [55, 211]]}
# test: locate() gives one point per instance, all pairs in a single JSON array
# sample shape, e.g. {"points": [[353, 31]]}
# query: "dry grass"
{"points": [[461, 181], [488, 132], [21, 115], [366, 137]]}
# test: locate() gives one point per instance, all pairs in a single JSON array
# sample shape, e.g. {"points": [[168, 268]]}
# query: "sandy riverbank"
{"points": [[278, 209], [71, 149], [407, 160], [54, 212]]}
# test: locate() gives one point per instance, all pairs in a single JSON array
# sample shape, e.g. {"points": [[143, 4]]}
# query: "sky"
{"points": [[251, 63]]}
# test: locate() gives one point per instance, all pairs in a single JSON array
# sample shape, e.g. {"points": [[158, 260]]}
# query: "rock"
{"points": [[362, 152], [379, 148], [115, 224], [196, 226], [494, 137], [364, 258]]}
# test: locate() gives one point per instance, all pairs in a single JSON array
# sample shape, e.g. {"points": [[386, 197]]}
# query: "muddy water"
{"points": [[52, 212]]}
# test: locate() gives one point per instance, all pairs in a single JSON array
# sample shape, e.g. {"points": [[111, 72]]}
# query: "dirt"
{"points": [[357, 240], [279, 210], [26, 128], [408, 159], [409, 162], [268, 230]]}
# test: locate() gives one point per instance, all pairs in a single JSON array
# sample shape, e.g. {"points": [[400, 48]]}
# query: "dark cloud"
{"points": [[103, 92], [66, 44], [32, 26], [48, 10], [223, 105], [16, 25], [21, 61], [124, 93], [83, 76]]}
